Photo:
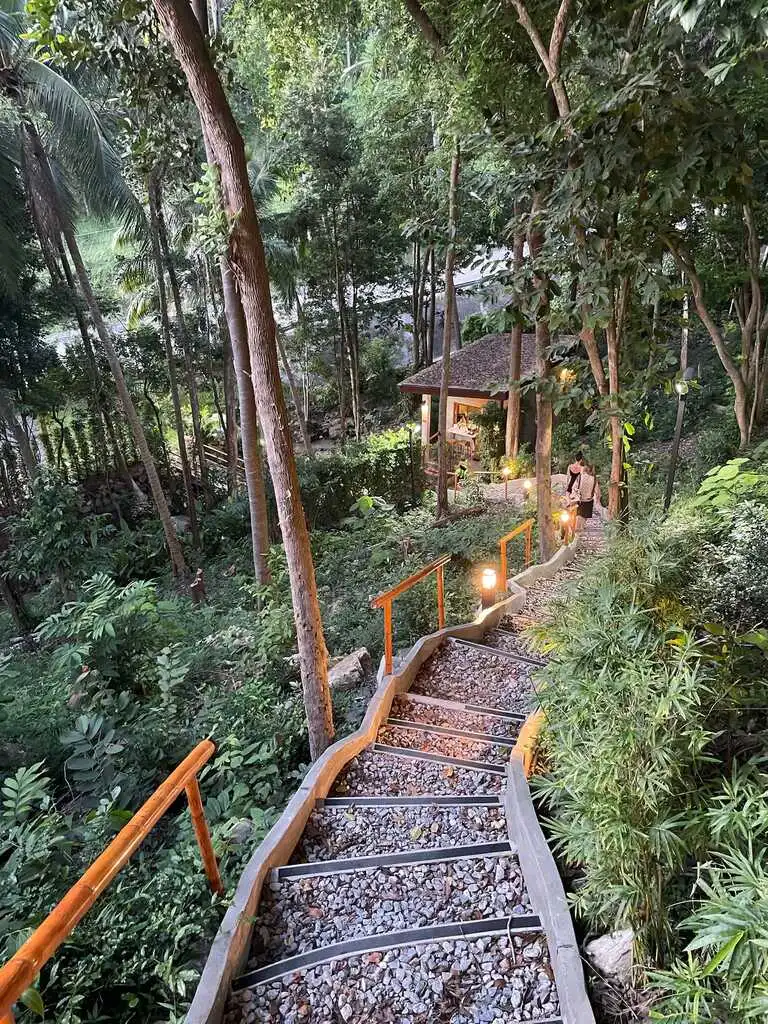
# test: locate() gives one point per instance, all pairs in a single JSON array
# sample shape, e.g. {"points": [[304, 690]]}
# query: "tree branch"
{"points": [[533, 34], [558, 35], [426, 26]]}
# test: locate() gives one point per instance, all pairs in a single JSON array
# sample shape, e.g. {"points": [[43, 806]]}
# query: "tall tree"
{"points": [[443, 449], [247, 259]]}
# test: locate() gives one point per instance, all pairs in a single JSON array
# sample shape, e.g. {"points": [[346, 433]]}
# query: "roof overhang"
{"points": [[425, 389]]}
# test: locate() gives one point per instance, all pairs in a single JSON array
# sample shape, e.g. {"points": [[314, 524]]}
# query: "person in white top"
{"points": [[585, 492]]}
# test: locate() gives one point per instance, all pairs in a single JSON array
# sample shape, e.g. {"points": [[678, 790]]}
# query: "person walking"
{"points": [[585, 491], [574, 471]]}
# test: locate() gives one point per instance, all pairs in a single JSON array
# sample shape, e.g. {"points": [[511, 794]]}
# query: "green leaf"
{"points": [[33, 1001]]}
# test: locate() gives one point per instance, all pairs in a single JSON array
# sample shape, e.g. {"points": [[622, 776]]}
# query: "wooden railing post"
{"points": [[503, 559], [385, 600], [203, 836], [529, 544], [387, 637]]}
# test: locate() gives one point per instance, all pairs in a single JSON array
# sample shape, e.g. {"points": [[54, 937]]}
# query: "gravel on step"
{"points": [[437, 743], [335, 832], [456, 672], [515, 644], [376, 774], [307, 913], [493, 980], [468, 721]]}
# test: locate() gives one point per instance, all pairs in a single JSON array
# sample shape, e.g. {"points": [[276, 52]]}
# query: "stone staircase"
{"points": [[405, 901]]}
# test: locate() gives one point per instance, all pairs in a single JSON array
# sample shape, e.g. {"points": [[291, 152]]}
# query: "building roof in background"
{"points": [[479, 370]]}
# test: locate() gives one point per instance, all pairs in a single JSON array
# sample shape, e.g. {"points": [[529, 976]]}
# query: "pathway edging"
{"points": [[229, 951]]}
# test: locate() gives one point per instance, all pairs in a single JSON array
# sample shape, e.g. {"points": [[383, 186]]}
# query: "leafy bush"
{"points": [[625, 742], [114, 631], [387, 465], [491, 424], [520, 465], [731, 583]]}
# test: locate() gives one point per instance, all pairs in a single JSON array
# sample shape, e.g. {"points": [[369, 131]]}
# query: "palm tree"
{"points": [[59, 149]]}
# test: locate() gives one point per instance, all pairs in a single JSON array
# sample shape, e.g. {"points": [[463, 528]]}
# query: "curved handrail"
{"points": [[527, 529], [24, 966], [385, 599]]}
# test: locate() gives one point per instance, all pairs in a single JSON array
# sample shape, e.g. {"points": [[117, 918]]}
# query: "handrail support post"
{"points": [[203, 836], [440, 598], [387, 637]]}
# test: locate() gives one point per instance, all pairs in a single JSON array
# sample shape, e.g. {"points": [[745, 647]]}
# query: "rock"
{"points": [[241, 832], [350, 671], [611, 955]]}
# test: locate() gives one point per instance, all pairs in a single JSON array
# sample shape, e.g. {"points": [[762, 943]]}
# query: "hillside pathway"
{"points": [[405, 901]]}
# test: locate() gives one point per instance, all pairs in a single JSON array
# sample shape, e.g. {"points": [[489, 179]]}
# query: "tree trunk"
{"points": [[445, 373], [19, 434], [739, 387], [675, 452], [295, 396], [249, 427], [11, 595], [456, 321], [247, 259], [543, 403], [51, 192], [185, 342], [432, 307], [415, 270], [154, 195], [512, 433]]}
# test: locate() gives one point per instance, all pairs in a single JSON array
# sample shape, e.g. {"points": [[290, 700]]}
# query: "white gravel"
{"points": [[433, 714], [334, 832], [461, 673], [439, 743], [375, 774], [481, 981], [306, 913]]}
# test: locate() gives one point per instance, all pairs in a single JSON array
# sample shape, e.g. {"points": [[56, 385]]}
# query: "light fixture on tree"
{"points": [[505, 473], [488, 587], [682, 387]]}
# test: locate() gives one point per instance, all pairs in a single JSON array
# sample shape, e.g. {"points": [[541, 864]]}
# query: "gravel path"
{"points": [[516, 643], [374, 774], [478, 981], [431, 714], [306, 913], [456, 672], [482, 981], [334, 832], [437, 743]]}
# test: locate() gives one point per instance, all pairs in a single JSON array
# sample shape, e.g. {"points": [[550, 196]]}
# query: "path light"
{"points": [[505, 473], [527, 485], [565, 524], [488, 582]]}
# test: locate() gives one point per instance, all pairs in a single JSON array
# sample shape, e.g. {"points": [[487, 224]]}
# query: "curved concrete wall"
{"points": [[229, 951]]}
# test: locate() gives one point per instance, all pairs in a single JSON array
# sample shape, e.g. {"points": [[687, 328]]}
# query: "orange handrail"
{"points": [[385, 601], [24, 966], [527, 529]]}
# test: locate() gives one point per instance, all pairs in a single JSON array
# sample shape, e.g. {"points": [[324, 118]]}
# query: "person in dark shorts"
{"points": [[586, 491], [574, 470]]}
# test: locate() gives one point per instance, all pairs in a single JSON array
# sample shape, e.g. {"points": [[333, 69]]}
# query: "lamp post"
{"points": [[488, 587], [505, 473], [682, 388]]}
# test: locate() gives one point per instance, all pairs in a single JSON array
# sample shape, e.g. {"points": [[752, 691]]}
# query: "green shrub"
{"points": [[387, 465], [491, 425], [520, 465]]}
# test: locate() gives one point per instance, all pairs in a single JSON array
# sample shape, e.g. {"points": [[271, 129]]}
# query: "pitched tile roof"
{"points": [[478, 371]]}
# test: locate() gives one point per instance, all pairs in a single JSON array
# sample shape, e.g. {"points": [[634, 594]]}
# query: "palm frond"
{"points": [[79, 144]]}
